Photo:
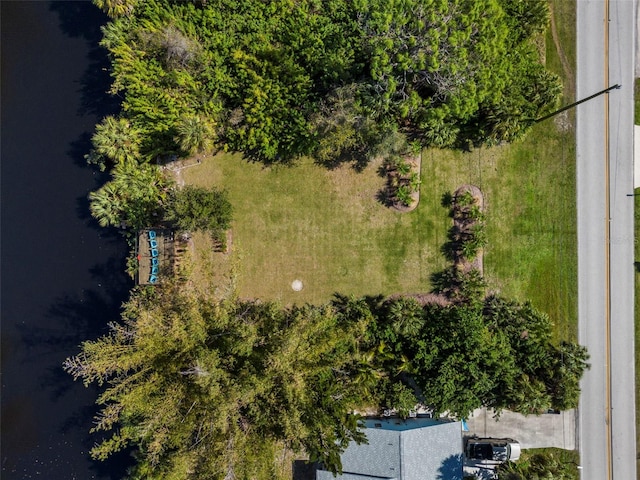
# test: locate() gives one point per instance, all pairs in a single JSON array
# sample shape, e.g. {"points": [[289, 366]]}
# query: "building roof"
{"points": [[411, 449]]}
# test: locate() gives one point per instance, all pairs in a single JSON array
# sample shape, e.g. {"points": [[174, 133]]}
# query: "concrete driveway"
{"points": [[532, 431]]}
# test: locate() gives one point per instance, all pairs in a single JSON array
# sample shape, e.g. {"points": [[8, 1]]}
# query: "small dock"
{"points": [[155, 251]]}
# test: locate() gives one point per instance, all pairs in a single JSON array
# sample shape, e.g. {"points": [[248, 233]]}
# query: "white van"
{"points": [[492, 449]]}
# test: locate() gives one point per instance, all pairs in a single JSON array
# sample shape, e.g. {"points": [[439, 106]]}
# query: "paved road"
{"points": [[604, 136]]}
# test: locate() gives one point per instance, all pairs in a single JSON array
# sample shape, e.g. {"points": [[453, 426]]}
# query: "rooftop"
{"points": [[411, 449]]}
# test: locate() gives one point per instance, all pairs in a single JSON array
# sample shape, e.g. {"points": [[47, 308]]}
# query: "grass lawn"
{"points": [[636, 101], [532, 252], [322, 227], [326, 228]]}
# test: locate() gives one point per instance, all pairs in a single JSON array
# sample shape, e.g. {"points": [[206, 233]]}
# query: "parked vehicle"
{"points": [[493, 449]]}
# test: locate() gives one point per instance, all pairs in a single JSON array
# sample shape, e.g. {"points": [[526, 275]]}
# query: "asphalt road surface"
{"points": [[604, 140]]}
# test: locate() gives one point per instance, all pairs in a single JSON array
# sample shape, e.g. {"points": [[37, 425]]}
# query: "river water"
{"points": [[62, 276]]}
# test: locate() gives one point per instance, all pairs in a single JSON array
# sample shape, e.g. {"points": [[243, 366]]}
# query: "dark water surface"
{"points": [[62, 277]]}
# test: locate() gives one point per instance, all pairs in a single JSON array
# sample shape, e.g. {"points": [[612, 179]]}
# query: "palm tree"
{"points": [[141, 190], [117, 140], [106, 205], [195, 134], [116, 8], [406, 315], [142, 181]]}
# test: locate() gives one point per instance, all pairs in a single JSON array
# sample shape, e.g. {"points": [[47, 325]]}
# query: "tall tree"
{"points": [[549, 374], [458, 361], [196, 134], [134, 196], [196, 208], [204, 388], [117, 140]]}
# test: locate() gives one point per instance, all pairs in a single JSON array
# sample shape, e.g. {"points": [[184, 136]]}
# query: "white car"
{"points": [[493, 449]]}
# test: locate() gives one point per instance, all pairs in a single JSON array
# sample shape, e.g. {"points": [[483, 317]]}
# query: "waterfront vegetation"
{"points": [[287, 113]]}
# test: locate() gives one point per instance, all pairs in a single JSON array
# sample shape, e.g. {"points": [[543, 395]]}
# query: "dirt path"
{"points": [[175, 168]]}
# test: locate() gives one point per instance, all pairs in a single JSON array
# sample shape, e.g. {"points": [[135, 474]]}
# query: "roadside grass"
{"points": [[565, 458], [533, 255], [636, 102], [531, 226], [636, 121], [564, 19]]}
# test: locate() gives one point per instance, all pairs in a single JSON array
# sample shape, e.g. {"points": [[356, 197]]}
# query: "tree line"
{"points": [[201, 387], [328, 78]]}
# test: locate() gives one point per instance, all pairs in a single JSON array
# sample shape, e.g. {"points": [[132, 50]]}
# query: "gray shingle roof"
{"points": [[412, 449], [324, 475]]}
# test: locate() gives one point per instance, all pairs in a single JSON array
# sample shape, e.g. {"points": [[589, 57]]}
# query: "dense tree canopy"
{"points": [[134, 197], [280, 79], [494, 353], [206, 388]]}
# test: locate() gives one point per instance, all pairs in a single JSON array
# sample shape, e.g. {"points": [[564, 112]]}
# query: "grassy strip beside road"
{"points": [[532, 250], [531, 220], [636, 101]]}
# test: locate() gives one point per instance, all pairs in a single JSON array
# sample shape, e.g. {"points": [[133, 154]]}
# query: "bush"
{"points": [[195, 208], [401, 398]]}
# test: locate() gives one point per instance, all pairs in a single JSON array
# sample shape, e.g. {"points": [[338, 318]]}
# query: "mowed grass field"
{"points": [[326, 228]]}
